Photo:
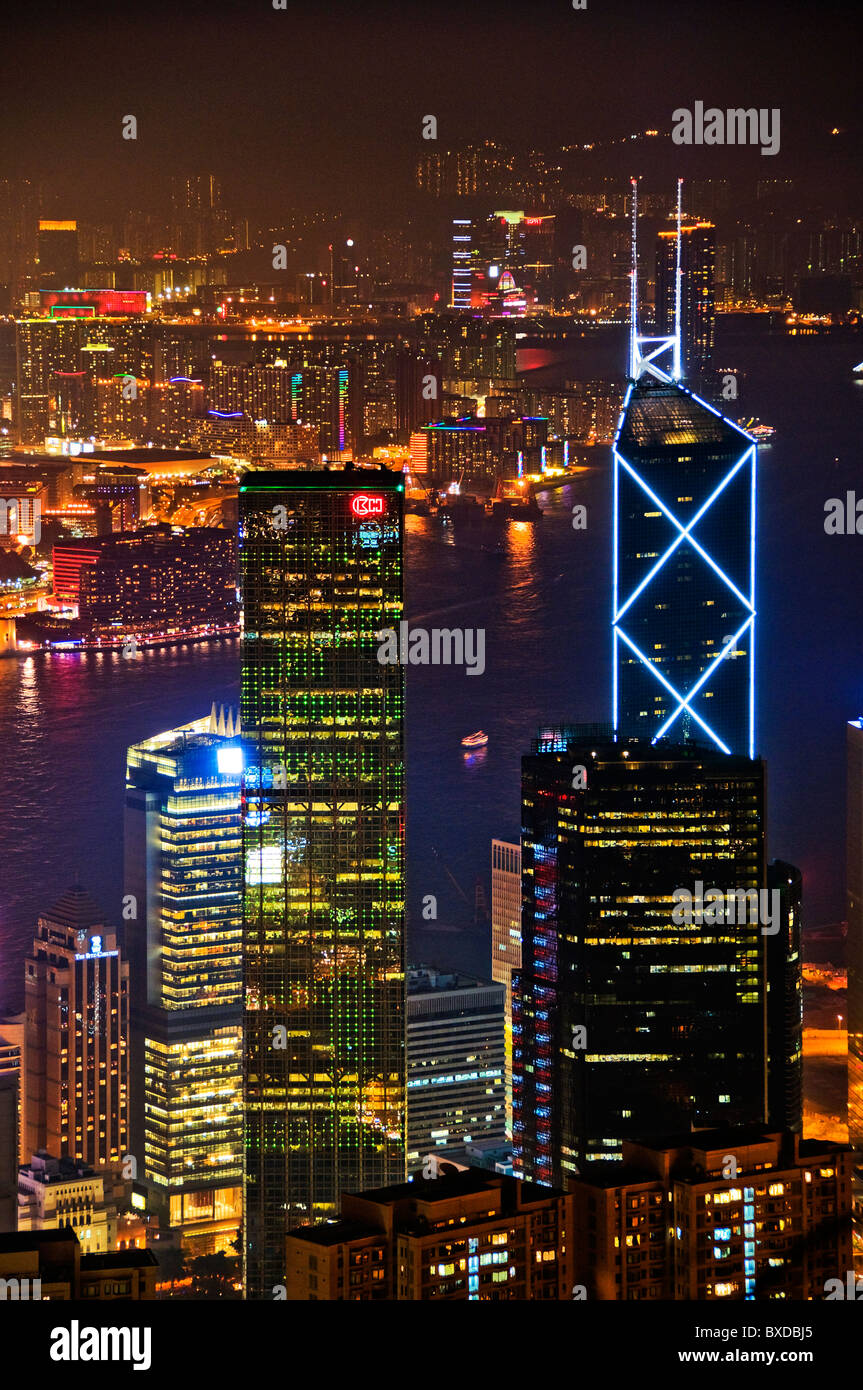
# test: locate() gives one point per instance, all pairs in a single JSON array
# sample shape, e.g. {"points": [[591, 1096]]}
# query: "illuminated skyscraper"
{"points": [[44, 347], [683, 613], [462, 263], [456, 1063], [698, 296], [151, 580], [626, 1022], [182, 870], [506, 937], [323, 850], [320, 397], [76, 1070], [684, 571]]}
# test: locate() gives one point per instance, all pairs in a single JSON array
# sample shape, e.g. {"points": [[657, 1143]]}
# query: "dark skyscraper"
{"points": [[785, 1002], [697, 293], [627, 1021], [684, 571], [58, 255], [323, 850]]}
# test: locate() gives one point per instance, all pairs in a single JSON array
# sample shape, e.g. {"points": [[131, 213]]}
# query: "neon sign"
{"points": [[364, 505]]}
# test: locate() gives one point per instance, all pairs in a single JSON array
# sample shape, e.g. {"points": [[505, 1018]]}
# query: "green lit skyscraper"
{"points": [[323, 850]]}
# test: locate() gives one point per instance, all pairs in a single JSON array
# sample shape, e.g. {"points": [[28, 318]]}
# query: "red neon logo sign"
{"points": [[363, 505]]}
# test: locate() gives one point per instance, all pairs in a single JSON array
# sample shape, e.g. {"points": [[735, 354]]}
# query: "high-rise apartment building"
{"points": [[323, 850], [463, 1236], [683, 571], [183, 872], [320, 398], [456, 1062], [736, 1214], [633, 1015], [697, 291], [44, 347], [326, 397], [462, 263], [506, 937], [152, 580], [57, 246], [76, 1071]]}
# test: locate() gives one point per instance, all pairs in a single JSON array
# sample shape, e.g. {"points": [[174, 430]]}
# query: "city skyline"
{"points": [[464, 409]]}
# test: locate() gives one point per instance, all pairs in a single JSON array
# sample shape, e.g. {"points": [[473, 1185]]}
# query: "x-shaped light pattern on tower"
{"points": [[684, 534]]}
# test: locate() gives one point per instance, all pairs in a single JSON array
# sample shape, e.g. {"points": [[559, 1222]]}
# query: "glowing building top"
{"points": [[683, 624]]}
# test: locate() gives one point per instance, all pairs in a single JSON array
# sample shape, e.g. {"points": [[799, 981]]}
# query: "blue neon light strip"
{"points": [[684, 531], [670, 688], [684, 534]]}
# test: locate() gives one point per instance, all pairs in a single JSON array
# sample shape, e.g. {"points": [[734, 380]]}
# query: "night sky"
{"points": [[321, 105]]}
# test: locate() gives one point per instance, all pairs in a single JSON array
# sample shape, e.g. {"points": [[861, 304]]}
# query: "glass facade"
{"points": [[182, 870], [323, 850], [456, 1063], [627, 1024], [684, 571], [698, 299]]}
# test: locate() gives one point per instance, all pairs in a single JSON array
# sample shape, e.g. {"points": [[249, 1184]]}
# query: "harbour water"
{"points": [[543, 598]]}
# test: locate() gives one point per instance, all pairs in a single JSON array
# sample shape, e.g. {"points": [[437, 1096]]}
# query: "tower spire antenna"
{"points": [[633, 285], [677, 370]]}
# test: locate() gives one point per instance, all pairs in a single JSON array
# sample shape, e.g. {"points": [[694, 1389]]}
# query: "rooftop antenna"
{"points": [[644, 351], [676, 370], [633, 286]]}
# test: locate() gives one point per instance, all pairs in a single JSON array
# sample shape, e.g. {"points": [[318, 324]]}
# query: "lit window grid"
{"points": [[324, 956]]}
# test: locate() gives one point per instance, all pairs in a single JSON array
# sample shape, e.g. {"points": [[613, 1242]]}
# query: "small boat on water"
{"points": [[760, 433], [477, 740], [515, 509]]}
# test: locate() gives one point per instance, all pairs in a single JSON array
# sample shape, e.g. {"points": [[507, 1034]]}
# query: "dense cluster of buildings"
{"points": [[240, 1053], [158, 579], [253, 1036], [766, 253]]}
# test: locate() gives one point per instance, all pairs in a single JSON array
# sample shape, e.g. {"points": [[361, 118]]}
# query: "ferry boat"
{"points": [[477, 740], [761, 433], [515, 509]]}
